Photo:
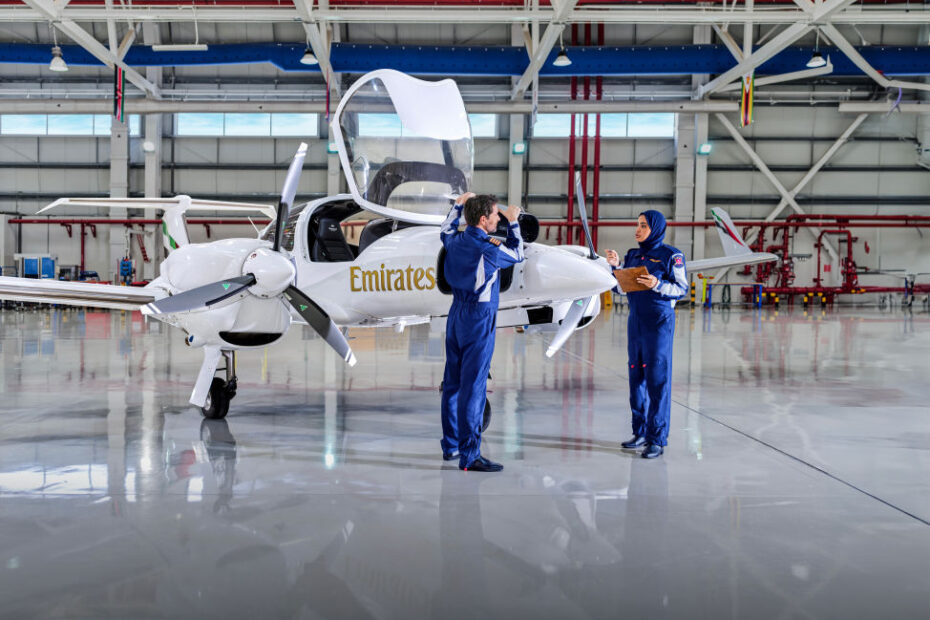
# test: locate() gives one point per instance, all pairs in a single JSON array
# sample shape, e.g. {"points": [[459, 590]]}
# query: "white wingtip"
{"points": [[550, 352], [351, 359]]}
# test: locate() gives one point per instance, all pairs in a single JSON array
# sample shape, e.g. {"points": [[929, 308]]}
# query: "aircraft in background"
{"points": [[245, 293]]}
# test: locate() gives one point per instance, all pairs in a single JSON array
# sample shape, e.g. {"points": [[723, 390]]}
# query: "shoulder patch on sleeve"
{"points": [[494, 241], [679, 261]]}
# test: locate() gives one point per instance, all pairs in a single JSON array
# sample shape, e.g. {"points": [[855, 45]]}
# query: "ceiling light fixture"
{"points": [[58, 63], [180, 47], [308, 58], [817, 59], [562, 60]]}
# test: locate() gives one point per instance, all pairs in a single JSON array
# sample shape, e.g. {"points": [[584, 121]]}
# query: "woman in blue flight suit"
{"points": [[650, 329]]}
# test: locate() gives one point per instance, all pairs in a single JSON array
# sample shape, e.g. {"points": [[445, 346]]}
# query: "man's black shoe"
{"points": [[635, 442], [652, 451], [482, 464], [448, 456]]}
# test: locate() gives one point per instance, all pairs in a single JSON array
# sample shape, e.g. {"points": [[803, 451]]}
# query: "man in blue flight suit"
{"points": [[650, 329], [473, 259]]}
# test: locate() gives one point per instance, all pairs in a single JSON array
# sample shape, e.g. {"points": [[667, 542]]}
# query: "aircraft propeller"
{"points": [[576, 312], [568, 325], [268, 273], [583, 214]]}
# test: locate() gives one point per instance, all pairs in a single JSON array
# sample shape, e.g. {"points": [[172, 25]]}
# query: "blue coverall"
{"points": [[473, 260], [650, 329]]}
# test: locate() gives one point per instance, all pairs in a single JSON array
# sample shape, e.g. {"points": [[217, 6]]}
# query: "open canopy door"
{"points": [[405, 145]]}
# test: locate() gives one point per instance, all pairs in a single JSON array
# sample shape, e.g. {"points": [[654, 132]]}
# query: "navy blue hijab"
{"points": [[656, 223]]}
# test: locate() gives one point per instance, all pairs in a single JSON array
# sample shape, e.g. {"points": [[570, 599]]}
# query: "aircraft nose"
{"points": [[565, 275]]}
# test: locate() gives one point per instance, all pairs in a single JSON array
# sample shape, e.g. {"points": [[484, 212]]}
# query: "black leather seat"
{"points": [[330, 244], [375, 229]]}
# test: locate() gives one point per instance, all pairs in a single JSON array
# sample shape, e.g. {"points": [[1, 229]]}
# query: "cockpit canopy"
{"points": [[414, 171]]}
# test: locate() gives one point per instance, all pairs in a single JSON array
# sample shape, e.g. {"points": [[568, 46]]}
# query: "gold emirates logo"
{"points": [[384, 280]]}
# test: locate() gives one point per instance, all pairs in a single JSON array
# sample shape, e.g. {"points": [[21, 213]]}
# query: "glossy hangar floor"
{"points": [[795, 484]]}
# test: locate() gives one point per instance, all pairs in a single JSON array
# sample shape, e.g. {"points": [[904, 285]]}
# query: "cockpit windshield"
{"points": [[290, 227], [405, 145]]}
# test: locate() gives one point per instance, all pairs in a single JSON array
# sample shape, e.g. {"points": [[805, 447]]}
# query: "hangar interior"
{"points": [[792, 486]]}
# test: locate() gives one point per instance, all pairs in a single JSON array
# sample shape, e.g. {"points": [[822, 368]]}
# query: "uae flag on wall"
{"points": [[118, 91], [745, 104]]}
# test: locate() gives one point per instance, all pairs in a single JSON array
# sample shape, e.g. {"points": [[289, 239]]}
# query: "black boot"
{"points": [[652, 451], [635, 442], [482, 464]]}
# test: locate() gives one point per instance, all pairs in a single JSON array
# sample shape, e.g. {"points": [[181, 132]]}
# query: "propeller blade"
{"points": [[200, 297], [288, 192], [569, 323], [317, 318], [583, 213]]}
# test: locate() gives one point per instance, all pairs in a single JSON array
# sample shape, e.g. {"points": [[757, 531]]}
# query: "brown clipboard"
{"points": [[626, 278]]}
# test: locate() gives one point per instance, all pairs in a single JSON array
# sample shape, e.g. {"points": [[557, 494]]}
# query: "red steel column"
{"points": [[570, 213], [595, 202]]}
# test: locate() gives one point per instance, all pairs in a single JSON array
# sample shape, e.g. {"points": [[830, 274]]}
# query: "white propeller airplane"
{"points": [[244, 293]]}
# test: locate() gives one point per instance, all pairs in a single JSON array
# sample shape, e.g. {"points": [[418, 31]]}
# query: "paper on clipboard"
{"points": [[627, 279]]}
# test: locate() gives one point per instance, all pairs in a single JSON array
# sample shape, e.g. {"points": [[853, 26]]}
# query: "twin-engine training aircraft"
{"points": [[245, 293]]}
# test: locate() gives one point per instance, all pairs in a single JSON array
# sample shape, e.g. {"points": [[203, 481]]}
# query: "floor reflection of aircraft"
{"points": [[220, 446]]}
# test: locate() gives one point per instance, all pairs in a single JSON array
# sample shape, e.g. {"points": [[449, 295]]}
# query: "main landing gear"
{"points": [[221, 391]]}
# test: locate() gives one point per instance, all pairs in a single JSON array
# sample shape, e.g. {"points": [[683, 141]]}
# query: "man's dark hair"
{"points": [[478, 206]]}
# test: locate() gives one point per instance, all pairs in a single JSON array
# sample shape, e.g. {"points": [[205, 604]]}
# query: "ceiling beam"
{"points": [[846, 47], [674, 14], [784, 77], [729, 42], [92, 45], [883, 108], [166, 106], [561, 16], [761, 55], [318, 38]]}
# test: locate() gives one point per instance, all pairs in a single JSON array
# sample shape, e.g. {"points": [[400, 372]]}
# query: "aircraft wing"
{"points": [[74, 293], [163, 204], [729, 261]]}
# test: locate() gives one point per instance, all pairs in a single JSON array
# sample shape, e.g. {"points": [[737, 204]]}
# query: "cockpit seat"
{"points": [[330, 244], [375, 229]]}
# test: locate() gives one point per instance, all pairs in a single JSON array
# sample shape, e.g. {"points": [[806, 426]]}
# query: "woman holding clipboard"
{"points": [[650, 328]]}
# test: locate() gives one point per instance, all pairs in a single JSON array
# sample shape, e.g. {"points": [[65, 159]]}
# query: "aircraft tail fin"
{"points": [[733, 244], [174, 228]]}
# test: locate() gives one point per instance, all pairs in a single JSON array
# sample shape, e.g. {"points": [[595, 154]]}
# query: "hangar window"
{"points": [[63, 125], [245, 125], [389, 125], [483, 125], [612, 125], [651, 126]]}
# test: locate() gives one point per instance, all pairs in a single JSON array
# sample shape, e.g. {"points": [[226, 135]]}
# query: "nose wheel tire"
{"points": [[217, 404]]}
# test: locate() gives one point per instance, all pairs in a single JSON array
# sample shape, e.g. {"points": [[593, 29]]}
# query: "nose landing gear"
{"points": [[221, 391]]}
